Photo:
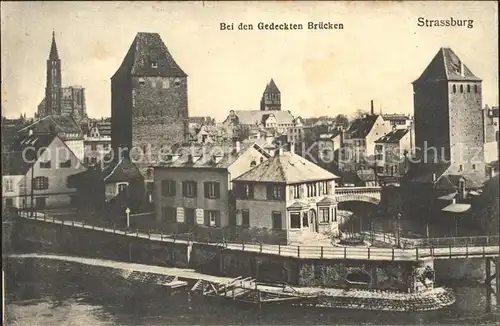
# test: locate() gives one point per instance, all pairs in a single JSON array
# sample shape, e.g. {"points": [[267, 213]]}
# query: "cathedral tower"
{"points": [[271, 99], [53, 85]]}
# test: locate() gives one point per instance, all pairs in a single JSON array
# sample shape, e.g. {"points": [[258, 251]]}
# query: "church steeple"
{"points": [[53, 48], [271, 99], [53, 86]]}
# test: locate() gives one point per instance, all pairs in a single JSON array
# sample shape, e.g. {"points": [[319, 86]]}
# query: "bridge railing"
{"points": [[475, 241], [357, 190]]}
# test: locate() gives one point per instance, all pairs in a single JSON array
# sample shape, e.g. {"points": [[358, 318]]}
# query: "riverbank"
{"points": [[319, 297]]}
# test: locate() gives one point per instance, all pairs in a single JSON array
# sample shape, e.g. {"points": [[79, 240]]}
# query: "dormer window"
{"points": [[154, 64]]}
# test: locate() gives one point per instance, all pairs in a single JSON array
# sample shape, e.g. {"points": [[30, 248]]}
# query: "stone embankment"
{"points": [[434, 299]]}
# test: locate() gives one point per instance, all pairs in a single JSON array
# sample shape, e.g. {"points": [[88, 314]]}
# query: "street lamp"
{"points": [[398, 229], [127, 212]]}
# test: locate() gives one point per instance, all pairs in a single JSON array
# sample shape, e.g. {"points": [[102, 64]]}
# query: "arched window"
{"points": [[468, 88], [253, 164], [454, 88], [475, 88], [461, 88]]}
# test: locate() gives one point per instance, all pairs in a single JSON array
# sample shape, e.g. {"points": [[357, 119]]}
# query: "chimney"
{"points": [[237, 146], [372, 109], [461, 68], [434, 177], [30, 132]]}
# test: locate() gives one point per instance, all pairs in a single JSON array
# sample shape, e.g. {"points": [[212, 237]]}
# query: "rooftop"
{"points": [[13, 163], [393, 137], [361, 127], [447, 66], [149, 56], [286, 167]]}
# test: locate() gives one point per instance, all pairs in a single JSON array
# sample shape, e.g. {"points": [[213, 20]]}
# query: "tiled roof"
{"points": [[208, 156], [13, 163], [473, 180], [61, 124], [256, 117], [446, 65], [121, 170], [145, 49], [361, 126], [288, 168], [393, 137], [395, 116], [425, 173], [271, 88]]}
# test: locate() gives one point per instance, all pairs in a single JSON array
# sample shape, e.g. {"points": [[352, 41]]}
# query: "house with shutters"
{"points": [[285, 198], [44, 162], [192, 187]]}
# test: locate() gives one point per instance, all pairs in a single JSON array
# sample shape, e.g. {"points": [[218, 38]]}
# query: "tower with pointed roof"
{"points": [[271, 99], [53, 85], [149, 103], [448, 113], [59, 100]]}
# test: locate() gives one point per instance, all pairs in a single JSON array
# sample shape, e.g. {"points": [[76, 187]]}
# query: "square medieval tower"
{"points": [[149, 102], [448, 113]]}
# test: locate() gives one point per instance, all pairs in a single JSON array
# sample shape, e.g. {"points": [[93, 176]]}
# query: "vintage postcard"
{"points": [[250, 163]]}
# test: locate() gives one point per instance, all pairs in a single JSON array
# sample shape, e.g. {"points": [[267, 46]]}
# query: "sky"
{"points": [[377, 55]]}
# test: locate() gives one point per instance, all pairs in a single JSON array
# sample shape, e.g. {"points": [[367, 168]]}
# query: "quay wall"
{"points": [[43, 237]]}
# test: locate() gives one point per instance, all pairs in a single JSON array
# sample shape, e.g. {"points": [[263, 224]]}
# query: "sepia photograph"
{"points": [[250, 163]]}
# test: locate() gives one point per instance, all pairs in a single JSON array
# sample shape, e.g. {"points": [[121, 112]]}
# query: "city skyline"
{"points": [[228, 70]]}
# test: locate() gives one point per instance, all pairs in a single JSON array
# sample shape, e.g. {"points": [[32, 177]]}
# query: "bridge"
{"points": [[476, 247], [365, 194]]}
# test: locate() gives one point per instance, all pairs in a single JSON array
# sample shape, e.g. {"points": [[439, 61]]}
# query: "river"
{"points": [[45, 292]]}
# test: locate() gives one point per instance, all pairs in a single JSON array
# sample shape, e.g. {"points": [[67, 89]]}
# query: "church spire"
{"points": [[53, 48]]}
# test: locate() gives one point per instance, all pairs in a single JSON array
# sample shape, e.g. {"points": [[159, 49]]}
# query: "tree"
{"points": [[341, 120]]}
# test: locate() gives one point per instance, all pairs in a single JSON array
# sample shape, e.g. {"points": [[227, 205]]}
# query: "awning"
{"points": [[456, 208], [448, 196]]}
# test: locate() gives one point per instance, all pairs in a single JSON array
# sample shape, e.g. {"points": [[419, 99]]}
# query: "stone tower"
{"points": [[149, 102], [53, 85], [448, 113], [271, 99]]}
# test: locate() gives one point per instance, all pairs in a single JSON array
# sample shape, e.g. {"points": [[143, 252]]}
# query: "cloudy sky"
{"points": [[377, 55]]}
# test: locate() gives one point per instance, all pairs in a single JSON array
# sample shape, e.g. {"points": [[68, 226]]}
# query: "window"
{"points": [[312, 190], [294, 220], [41, 183], [168, 188], [177, 83], [305, 220], [276, 220], [169, 214], [274, 192], [324, 215], [246, 191], [253, 164], [121, 186], [93, 160], [142, 82], [212, 218], [475, 88], [468, 88], [8, 185], [461, 88], [212, 190], [454, 88], [45, 165], [378, 148], [473, 166], [165, 83], [245, 217], [189, 189], [325, 188], [93, 147], [65, 164], [105, 146], [460, 168], [296, 191], [261, 159], [154, 64]]}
